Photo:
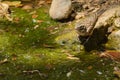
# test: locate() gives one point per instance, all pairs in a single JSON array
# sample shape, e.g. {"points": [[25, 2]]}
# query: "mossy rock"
{"points": [[69, 40], [114, 40]]}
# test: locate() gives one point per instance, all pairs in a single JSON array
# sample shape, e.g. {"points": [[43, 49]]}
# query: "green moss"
{"points": [[67, 37], [24, 56]]}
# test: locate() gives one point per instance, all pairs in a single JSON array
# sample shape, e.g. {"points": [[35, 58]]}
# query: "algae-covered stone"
{"points": [[69, 37], [114, 40], [69, 40]]}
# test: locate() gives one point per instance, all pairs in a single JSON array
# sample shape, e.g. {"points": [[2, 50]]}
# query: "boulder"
{"points": [[114, 40], [60, 9]]}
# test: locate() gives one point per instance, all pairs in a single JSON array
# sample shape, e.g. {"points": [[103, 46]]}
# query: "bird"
{"points": [[85, 26]]}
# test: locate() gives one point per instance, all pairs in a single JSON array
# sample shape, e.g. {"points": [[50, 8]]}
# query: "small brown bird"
{"points": [[85, 26]]}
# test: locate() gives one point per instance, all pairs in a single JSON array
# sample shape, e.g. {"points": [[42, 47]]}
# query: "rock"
{"points": [[117, 22], [116, 72], [114, 40], [5, 11], [69, 40], [114, 55], [27, 7], [108, 17], [4, 8], [60, 9]]}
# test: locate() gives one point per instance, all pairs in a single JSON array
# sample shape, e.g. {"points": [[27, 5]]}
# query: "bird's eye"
{"points": [[82, 28]]}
